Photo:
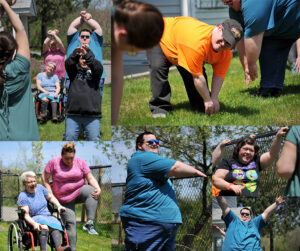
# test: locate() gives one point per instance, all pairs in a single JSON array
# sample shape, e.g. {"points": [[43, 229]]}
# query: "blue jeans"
{"points": [[148, 236], [90, 125], [273, 58]]}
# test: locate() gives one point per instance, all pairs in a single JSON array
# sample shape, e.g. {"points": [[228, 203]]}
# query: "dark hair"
{"points": [[140, 139], [8, 46], [68, 148], [143, 22], [87, 30], [246, 208], [241, 143]]}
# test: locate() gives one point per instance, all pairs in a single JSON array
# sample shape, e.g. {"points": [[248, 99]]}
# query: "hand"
{"points": [[61, 209], [55, 95], [253, 72], [216, 105], [209, 107], [217, 227], [56, 31], [297, 65], [236, 189], [37, 227], [224, 143], [282, 131], [279, 200], [96, 193], [87, 16], [247, 76], [81, 50]]}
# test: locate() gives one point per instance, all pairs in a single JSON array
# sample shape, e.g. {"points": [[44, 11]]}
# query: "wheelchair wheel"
{"points": [[14, 238]]}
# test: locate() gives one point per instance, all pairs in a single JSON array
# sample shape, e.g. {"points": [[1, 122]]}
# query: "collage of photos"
{"points": [[138, 125]]}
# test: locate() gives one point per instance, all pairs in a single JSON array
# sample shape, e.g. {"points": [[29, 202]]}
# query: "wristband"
{"points": [[228, 187]]}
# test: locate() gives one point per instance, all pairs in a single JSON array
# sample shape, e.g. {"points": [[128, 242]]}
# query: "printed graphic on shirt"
{"points": [[238, 174], [251, 186], [251, 165], [239, 183], [252, 175]]}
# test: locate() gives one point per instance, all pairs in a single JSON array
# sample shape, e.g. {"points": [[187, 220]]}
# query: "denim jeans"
{"points": [[90, 125]]}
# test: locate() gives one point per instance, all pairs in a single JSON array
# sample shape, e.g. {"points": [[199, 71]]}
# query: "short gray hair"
{"points": [[25, 175], [54, 64]]}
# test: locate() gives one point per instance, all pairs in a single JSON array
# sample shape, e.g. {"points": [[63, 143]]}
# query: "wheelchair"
{"points": [[60, 107], [21, 235]]}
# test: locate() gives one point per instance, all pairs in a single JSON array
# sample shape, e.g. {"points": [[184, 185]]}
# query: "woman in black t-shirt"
{"points": [[239, 174]]}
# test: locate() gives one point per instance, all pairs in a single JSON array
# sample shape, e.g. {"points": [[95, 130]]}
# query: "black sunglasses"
{"points": [[245, 214], [152, 141], [85, 36]]}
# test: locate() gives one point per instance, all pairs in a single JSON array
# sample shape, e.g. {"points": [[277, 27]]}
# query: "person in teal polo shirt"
{"points": [[242, 231], [288, 165], [150, 212], [17, 117]]}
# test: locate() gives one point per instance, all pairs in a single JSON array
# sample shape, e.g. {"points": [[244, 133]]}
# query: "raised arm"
{"points": [[59, 43], [21, 36], [76, 23], [180, 169], [46, 44], [267, 159], [223, 205], [287, 162], [217, 154], [93, 24], [271, 209]]}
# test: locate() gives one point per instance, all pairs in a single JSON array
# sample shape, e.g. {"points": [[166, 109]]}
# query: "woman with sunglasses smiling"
{"points": [[150, 212], [239, 174]]}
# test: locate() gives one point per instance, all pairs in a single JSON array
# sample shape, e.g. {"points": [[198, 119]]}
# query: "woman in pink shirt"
{"points": [[68, 185], [54, 51]]}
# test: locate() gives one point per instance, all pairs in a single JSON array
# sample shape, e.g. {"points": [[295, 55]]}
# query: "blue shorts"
{"points": [[147, 236]]}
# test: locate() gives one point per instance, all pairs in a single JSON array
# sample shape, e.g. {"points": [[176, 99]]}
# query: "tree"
{"points": [[37, 155]]}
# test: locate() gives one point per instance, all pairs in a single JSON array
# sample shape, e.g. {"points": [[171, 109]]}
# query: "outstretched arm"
{"points": [[271, 209], [93, 24], [267, 159], [223, 205], [21, 36], [180, 169], [220, 230], [217, 154], [287, 162]]}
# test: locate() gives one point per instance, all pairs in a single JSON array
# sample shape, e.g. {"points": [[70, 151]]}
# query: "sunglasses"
{"points": [[152, 141], [245, 214], [85, 36], [227, 3]]}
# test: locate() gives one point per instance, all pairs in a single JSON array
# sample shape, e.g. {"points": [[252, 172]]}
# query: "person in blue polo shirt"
{"points": [[271, 27], [150, 212], [242, 231]]}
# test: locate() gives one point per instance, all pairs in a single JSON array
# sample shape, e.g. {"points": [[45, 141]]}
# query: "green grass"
{"points": [[54, 132], [236, 105], [85, 242]]}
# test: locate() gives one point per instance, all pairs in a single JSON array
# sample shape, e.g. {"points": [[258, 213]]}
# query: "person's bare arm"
{"points": [[217, 154], [59, 44], [287, 162], [240, 46], [29, 220], [201, 87], [117, 84], [180, 169], [220, 230], [76, 23], [223, 205], [45, 178], [57, 90], [297, 66], [46, 44], [94, 25], [21, 36], [267, 159], [216, 86], [271, 209], [219, 181], [53, 200], [40, 88], [93, 182], [252, 48]]}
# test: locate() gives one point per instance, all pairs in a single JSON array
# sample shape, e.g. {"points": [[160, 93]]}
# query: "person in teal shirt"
{"points": [[288, 165], [243, 231], [271, 27], [150, 213], [17, 117]]}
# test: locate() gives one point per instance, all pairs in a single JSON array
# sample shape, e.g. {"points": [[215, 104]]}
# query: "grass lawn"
{"points": [[85, 242], [54, 132], [236, 105]]}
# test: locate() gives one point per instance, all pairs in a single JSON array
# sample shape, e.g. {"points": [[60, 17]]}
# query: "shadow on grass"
{"points": [[241, 110], [290, 89]]}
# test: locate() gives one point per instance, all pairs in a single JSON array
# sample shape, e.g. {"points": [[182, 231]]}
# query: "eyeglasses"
{"points": [[227, 3], [132, 53], [245, 214], [152, 141], [85, 36]]}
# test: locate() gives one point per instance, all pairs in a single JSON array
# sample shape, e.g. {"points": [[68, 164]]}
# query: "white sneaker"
{"points": [[159, 115]]}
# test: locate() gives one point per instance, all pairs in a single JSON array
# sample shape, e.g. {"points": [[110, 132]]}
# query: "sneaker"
{"points": [[267, 93], [90, 228], [159, 115]]}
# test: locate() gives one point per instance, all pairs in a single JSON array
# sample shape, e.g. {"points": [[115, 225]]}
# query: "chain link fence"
{"points": [[270, 183], [10, 189], [194, 200]]}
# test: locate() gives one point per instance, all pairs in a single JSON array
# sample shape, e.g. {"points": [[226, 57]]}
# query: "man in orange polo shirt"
{"points": [[189, 44]]}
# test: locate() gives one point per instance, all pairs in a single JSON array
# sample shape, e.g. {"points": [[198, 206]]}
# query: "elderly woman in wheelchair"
{"points": [[33, 200]]}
